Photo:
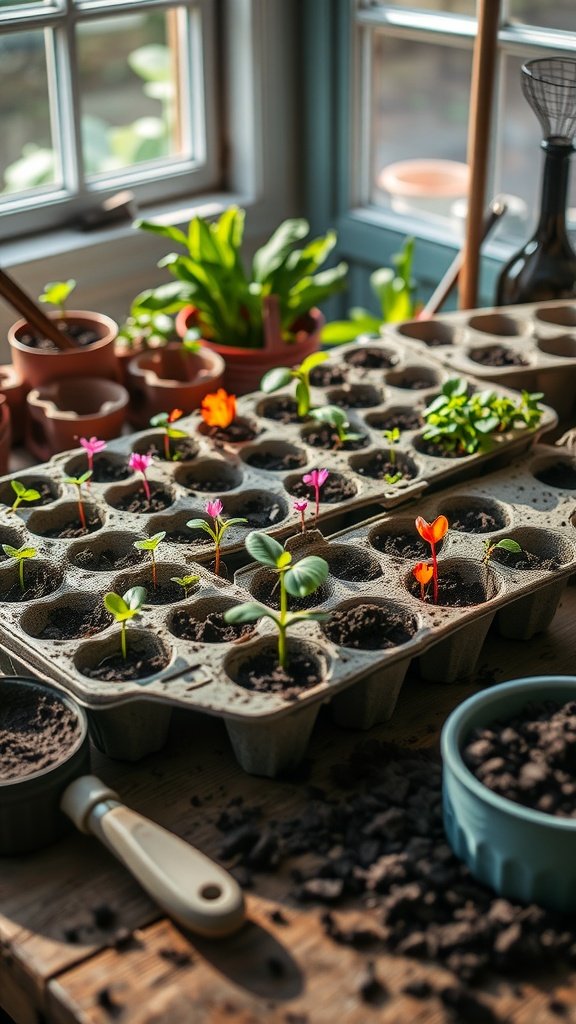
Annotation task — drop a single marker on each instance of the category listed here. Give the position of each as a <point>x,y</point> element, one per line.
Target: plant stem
<point>282,659</point>
<point>317,496</point>
<point>146,488</point>
<point>21,574</point>
<point>123,640</point>
<point>90,467</point>
<point>154,573</point>
<point>302,514</point>
<point>435,572</point>
<point>81,511</point>
<point>16,503</point>
<point>217,558</point>
<point>167,447</point>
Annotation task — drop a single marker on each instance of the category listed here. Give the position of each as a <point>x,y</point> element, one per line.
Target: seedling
<point>423,574</point>
<point>298,579</point>
<point>92,445</point>
<point>78,482</point>
<point>392,478</point>
<point>392,436</point>
<point>338,420</point>
<point>432,533</point>
<point>316,479</point>
<point>280,376</point>
<point>218,409</point>
<point>506,544</point>
<point>185,582</point>
<point>22,494</point>
<point>56,293</point>
<point>166,420</point>
<point>141,464</point>
<point>151,544</point>
<point>217,530</point>
<point>300,505</point>
<point>465,424</point>
<point>20,554</point>
<point>123,609</point>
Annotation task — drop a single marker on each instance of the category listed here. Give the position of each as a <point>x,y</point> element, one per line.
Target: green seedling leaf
<point>264,548</point>
<point>275,379</point>
<point>18,553</point>
<point>150,543</point>
<point>509,545</point>
<point>56,292</point>
<point>248,612</point>
<point>184,581</point>
<point>311,361</point>
<point>201,524</point>
<point>332,415</point>
<point>23,493</point>
<point>306,576</point>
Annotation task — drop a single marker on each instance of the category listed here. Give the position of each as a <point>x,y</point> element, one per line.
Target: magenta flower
<point>300,505</point>
<point>92,445</point>
<point>141,463</point>
<point>214,508</point>
<point>316,479</point>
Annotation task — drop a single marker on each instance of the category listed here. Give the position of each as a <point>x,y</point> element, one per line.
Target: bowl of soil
<point>44,744</point>
<point>509,789</point>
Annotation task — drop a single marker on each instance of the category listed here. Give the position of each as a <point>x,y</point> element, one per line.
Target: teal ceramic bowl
<point>521,853</point>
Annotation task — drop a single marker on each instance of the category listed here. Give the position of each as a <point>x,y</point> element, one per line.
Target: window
<point>100,95</point>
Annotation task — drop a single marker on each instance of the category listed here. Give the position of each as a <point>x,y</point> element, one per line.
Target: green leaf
<point>275,378</point>
<point>306,576</point>
<point>238,521</point>
<point>275,251</point>
<point>303,398</point>
<point>18,488</point>
<point>339,332</point>
<point>165,230</point>
<point>248,612</point>
<point>135,597</point>
<point>311,361</point>
<point>116,605</point>
<point>160,419</point>
<point>150,543</point>
<point>10,551</point>
<point>56,292</point>
<point>184,581</point>
<point>509,545</point>
<point>333,415</point>
<point>264,548</point>
<point>201,524</point>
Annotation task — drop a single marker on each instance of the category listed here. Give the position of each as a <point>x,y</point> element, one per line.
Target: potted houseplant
<point>254,318</point>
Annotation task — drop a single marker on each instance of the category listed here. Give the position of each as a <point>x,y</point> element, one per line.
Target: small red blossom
<point>218,409</point>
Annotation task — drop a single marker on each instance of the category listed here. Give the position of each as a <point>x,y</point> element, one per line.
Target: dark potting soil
<point>524,560</point>
<point>531,758</point>
<point>403,420</point>
<point>282,409</point>
<point>379,466</point>
<point>324,436</point>
<point>402,545</point>
<point>476,520</point>
<point>377,837</point>
<point>36,732</point>
<point>162,593</point>
<point>437,451</point>
<point>559,474</point>
<point>67,623</point>
<point>336,488</point>
<point>182,450</point>
<point>453,591</point>
<point>136,665</point>
<point>357,397</point>
<point>262,674</point>
<point>238,431</point>
<point>497,355</point>
<point>209,484</point>
<point>412,383</point>
<point>188,536</point>
<point>38,582</point>
<point>326,376</point>
<point>267,590</point>
<point>74,529</point>
<point>83,336</point>
<point>369,627</point>
<point>136,501</point>
<point>352,566</point>
<point>47,494</point>
<point>276,461</point>
<point>108,471</point>
<point>211,630</point>
<point>262,510</point>
<point>106,560</point>
<point>370,359</point>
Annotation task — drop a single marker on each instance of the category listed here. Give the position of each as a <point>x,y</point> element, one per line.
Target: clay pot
<point>41,366</point>
<point>245,367</point>
<point>14,390</point>
<point>169,378</point>
<point>5,435</point>
<point>61,412</point>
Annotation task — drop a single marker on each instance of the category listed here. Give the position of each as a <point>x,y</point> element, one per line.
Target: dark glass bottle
<point>544,268</point>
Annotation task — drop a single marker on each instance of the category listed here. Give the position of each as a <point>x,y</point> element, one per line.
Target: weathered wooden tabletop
<point>140,969</point>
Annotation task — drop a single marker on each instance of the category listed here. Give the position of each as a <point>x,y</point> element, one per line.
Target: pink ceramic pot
<point>38,366</point>
<point>61,412</point>
<point>167,378</point>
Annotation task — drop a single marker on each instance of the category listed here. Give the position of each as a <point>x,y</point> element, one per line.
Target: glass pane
<point>443,6</point>
<point>27,157</point>
<point>420,116</point>
<point>128,89</point>
<point>545,13</point>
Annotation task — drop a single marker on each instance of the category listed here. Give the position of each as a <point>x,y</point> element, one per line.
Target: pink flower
<point>316,478</point>
<point>300,505</point>
<point>214,508</point>
<point>139,462</point>
<point>92,445</point>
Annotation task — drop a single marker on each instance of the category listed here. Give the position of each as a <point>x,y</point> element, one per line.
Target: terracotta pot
<point>61,412</point>
<point>14,390</point>
<point>5,435</point>
<point>245,367</point>
<point>167,378</point>
<point>38,367</point>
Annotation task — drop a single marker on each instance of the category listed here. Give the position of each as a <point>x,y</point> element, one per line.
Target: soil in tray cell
<point>276,461</point>
<point>371,359</point>
<point>263,674</point>
<point>356,396</point>
<point>68,623</point>
<point>327,375</point>
<point>262,510</point>
<point>107,559</point>
<point>402,545</point>
<point>324,436</point>
<point>282,409</point>
<point>238,432</point>
<point>453,591</point>
<point>74,529</point>
<point>48,492</point>
<point>380,465</point>
<point>524,560</point>
<point>213,629</point>
<point>475,520</point>
<point>369,627</point>
<point>348,563</point>
<point>136,501</point>
<point>136,665</point>
<point>266,589</point>
<point>558,474</point>
<point>402,419</point>
<point>109,471</point>
<point>36,732</point>
<point>162,593</point>
<point>336,488</point>
<point>530,759</point>
<point>38,582</point>
<point>182,450</point>
<point>497,355</point>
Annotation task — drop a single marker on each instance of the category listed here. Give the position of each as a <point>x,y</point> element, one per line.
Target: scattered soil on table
<point>379,466</point>
<point>238,431</point>
<point>262,511</point>
<point>324,436</point>
<point>476,520</point>
<point>497,355</point>
<point>369,627</point>
<point>262,674</point>
<point>180,451</point>
<point>107,559</point>
<point>83,336</point>
<point>276,461</point>
<point>36,732</point>
<point>136,501</point>
<point>38,582</point>
<point>531,758</point>
<point>108,471</point>
<point>267,591</point>
<point>137,664</point>
<point>402,545</point>
<point>327,376</point>
<point>74,529</point>
<point>336,488</point>
<point>68,623</point>
<point>376,836</point>
<point>282,409</point>
<point>524,560</point>
<point>558,474</point>
<point>403,420</point>
<point>370,359</point>
<point>211,630</point>
<point>453,591</point>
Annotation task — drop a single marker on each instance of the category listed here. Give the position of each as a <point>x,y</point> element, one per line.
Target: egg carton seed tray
<point>530,346</point>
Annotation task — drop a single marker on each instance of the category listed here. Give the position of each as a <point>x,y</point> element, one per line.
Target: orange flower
<point>218,409</point>
<point>432,532</point>
<point>423,573</point>
<point>175,415</point>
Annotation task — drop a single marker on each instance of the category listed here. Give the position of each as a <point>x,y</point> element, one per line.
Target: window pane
<point>128,90</point>
<point>444,6</point>
<point>421,115</point>
<point>27,158</point>
<point>546,13</point>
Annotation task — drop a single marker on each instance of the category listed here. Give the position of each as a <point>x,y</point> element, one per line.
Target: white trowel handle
<point>189,886</point>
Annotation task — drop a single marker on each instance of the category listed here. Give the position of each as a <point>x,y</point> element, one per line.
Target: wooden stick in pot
<point>23,304</point>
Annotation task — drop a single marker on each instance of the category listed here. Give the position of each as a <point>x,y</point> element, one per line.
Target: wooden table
<point>157,975</point>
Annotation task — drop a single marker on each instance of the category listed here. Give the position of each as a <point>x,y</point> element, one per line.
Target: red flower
<point>432,532</point>
<point>218,409</point>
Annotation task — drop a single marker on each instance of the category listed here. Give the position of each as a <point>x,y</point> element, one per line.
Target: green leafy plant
<point>465,423</point>
<point>185,582</point>
<point>22,494</point>
<point>279,376</point>
<point>230,300</point>
<point>123,609</point>
<point>21,555</point>
<point>150,322</point>
<point>299,579</point>
<point>151,544</point>
<point>56,293</point>
<point>506,544</point>
<point>392,436</point>
<point>394,287</point>
<point>336,418</point>
<point>166,420</point>
<point>78,482</point>
<point>214,508</point>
